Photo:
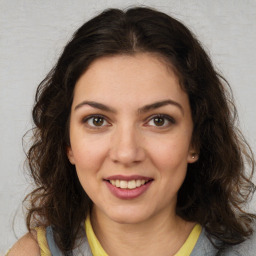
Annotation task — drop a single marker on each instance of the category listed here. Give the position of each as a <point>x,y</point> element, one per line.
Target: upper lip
<point>131,177</point>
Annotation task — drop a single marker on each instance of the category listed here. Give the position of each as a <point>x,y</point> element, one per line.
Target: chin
<point>128,216</point>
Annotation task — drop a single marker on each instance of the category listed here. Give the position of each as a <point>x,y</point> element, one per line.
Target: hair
<point>216,188</point>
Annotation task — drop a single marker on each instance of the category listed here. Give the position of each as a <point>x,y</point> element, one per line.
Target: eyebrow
<point>144,109</point>
<point>161,104</point>
<point>95,105</point>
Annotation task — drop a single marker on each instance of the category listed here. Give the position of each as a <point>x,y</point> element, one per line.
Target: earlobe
<point>70,155</point>
<point>192,157</point>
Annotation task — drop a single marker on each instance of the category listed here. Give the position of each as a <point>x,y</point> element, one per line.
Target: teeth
<point>123,184</point>
<point>113,182</point>
<point>138,183</point>
<point>131,184</point>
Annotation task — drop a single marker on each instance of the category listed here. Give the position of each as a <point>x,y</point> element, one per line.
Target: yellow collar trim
<point>42,241</point>
<point>94,243</point>
<point>190,243</point>
<point>97,249</point>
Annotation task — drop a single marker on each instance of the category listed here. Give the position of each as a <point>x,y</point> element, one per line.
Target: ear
<point>193,156</point>
<point>70,155</point>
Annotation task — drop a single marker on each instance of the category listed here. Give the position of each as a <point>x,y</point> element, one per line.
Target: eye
<point>161,121</point>
<point>96,121</point>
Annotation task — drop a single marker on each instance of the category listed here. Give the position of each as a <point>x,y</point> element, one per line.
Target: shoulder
<point>26,246</point>
<point>205,247</point>
<point>247,248</point>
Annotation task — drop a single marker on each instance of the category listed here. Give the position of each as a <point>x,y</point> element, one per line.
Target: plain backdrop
<point>32,35</point>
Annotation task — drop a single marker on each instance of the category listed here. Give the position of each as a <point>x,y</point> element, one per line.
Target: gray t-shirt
<point>203,247</point>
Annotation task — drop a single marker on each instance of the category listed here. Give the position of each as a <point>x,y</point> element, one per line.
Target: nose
<point>127,146</point>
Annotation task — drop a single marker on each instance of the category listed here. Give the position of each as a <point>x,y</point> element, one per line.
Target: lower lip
<point>127,194</point>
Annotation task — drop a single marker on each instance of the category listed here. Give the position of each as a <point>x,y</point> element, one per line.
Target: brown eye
<point>96,121</point>
<point>159,121</point>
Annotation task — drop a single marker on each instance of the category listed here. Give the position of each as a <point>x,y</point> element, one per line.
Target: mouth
<point>128,184</point>
<point>128,187</point>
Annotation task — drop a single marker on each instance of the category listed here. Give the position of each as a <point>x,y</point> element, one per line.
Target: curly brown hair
<point>216,187</point>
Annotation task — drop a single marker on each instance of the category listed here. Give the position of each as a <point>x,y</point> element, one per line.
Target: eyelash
<point>170,120</point>
<point>91,117</point>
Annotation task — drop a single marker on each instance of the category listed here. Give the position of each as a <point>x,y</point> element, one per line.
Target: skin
<point>130,140</point>
<point>26,246</point>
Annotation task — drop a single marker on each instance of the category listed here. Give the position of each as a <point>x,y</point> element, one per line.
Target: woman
<point>135,148</point>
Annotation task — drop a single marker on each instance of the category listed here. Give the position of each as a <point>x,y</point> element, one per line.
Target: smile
<point>131,184</point>
<point>128,187</point>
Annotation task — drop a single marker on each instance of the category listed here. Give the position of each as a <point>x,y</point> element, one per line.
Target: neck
<point>160,235</point>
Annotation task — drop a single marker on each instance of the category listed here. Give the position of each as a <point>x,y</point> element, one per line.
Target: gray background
<point>32,34</point>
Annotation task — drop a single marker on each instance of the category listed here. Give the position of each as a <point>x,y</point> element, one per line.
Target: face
<point>130,137</point>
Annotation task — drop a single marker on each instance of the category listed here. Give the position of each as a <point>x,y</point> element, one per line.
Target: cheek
<point>171,162</point>
<point>88,155</point>
<point>169,152</point>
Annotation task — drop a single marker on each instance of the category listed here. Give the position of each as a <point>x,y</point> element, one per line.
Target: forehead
<point>140,65</point>
<point>130,78</point>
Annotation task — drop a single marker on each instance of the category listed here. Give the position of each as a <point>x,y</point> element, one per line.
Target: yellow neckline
<point>94,243</point>
<point>187,248</point>
<point>97,249</point>
<point>42,241</point>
